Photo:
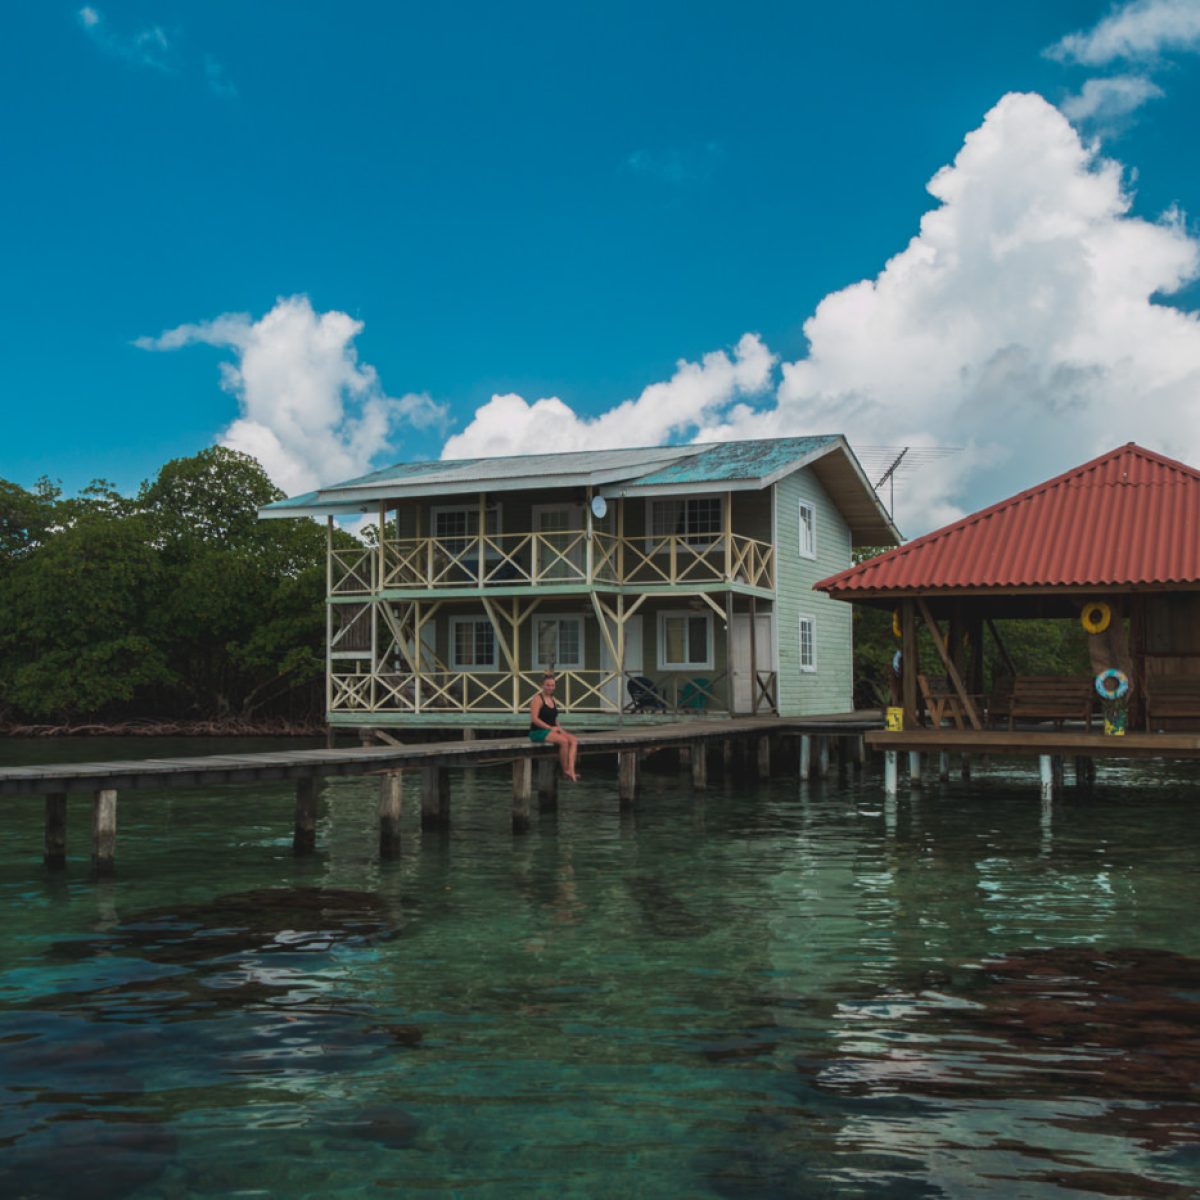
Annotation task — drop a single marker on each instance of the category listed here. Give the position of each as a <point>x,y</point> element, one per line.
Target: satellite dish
<point>599,507</point>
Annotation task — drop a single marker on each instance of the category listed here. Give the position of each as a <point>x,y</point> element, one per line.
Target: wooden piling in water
<point>727,757</point>
<point>806,765</point>
<point>391,808</point>
<point>435,796</point>
<point>764,756</point>
<point>547,784</point>
<point>699,766</point>
<point>54,846</point>
<point>104,831</point>
<point>522,793</point>
<point>627,773</point>
<point>304,836</point>
<point>822,756</point>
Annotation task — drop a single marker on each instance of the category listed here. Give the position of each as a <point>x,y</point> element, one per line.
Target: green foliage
<point>179,602</point>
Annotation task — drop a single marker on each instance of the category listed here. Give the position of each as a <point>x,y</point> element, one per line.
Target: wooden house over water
<point>1114,543</point>
<point>659,582</point>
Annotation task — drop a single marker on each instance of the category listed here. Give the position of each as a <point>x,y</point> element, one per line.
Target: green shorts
<point>538,735</point>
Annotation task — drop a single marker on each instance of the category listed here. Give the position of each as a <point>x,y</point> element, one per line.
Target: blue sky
<point>551,202</point>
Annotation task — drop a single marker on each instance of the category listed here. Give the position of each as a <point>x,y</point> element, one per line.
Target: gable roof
<point>641,471</point>
<point>1129,518</point>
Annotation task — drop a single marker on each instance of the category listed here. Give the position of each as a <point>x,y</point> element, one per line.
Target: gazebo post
<point>910,663</point>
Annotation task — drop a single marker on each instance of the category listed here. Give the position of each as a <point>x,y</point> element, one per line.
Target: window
<point>684,641</point>
<point>472,644</point>
<point>454,526</point>
<point>808,644</point>
<point>558,642</point>
<point>696,518</point>
<point>808,529</point>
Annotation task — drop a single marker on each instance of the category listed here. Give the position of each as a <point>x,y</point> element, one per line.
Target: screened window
<point>808,529</point>
<point>808,644</point>
<point>684,641</point>
<point>454,526</point>
<point>696,518</point>
<point>558,642</point>
<point>472,644</point>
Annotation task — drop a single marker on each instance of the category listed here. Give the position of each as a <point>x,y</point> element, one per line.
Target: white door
<point>739,658</point>
<point>617,689</point>
<point>559,552</point>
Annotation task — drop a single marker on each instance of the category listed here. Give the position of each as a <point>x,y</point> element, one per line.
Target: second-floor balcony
<point>563,557</point>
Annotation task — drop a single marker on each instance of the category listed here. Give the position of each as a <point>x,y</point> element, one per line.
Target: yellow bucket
<point>895,720</point>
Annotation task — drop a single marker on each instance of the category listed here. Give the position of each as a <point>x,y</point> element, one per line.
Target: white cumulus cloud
<point>510,425</point>
<point>1102,103</point>
<point>1141,29</point>
<point>311,413</point>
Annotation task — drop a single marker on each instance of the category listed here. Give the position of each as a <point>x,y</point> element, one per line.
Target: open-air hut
<point>1115,538</point>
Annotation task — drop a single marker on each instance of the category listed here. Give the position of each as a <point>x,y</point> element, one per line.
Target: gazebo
<point>1115,541</point>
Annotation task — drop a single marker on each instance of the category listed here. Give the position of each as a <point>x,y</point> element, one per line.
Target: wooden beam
<point>627,773</point>
<point>54,848</point>
<point>910,660</point>
<point>104,831</point>
<point>699,766</point>
<point>391,808</point>
<point>304,835</point>
<point>522,792</point>
<point>951,670</point>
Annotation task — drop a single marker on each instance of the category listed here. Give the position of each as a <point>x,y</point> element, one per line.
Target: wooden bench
<point>942,701</point>
<point>1170,697</point>
<point>1056,698</point>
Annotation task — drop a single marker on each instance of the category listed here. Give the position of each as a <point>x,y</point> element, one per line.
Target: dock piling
<point>822,757</point>
<point>522,793</point>
<point>1046,770</point>
<point>764,756</point>
<point>54,852</point>
<point>104,831</point>
<point>889,772</point>
<point>435,796</point>
<point>627,773</point>
<point>806,764</point>
<point>699,766</point>
<point>547,784</point>
<point>391,808</point>
<point>304,836</point>
<point>914,768</point>
<point>944,766</point>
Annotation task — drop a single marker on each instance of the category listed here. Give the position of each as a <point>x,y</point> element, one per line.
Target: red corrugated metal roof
<point>1128,518</point>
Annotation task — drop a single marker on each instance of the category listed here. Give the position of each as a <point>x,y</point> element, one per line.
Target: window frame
<point>811,621</point>
<point>810,551</point>
<point>653,540</point>
<point>536,663</point>
<point>436,510</point>
<point>455,623</point>
<point>709,662</point>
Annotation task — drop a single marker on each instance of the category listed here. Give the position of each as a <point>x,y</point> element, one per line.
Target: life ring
<point>1117,693</point>
<point>896,658</point>
<point>1096,616</point>
<point>897,628</point>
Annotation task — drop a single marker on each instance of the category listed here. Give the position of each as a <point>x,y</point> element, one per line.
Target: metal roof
<point>1129,518</point>
<point>647,470</point>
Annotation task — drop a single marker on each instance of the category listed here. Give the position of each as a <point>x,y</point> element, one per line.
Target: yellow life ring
<point>897,629</point>
<point>1096,616</point>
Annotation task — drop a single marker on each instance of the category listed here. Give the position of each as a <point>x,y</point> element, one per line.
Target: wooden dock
<point>433,761</point>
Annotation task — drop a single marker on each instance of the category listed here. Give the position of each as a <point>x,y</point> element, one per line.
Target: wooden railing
<point>559,557</point>
<point>579,692</point>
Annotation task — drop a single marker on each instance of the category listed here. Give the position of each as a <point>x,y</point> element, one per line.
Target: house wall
<point>830,687</point>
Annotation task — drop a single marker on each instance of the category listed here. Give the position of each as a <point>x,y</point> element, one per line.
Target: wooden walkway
<point>1026,742</point>
<point>433,761</point>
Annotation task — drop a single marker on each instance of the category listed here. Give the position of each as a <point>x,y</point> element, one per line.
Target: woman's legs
<point>566,759</point>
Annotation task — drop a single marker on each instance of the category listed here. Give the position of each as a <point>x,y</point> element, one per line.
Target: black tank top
<point>548,713</point>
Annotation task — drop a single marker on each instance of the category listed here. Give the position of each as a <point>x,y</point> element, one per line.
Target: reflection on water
<point>788,991</point>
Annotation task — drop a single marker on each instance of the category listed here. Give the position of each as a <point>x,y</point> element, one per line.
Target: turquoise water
<point>775,990</point>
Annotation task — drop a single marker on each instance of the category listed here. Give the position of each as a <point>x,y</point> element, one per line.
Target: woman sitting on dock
<point>544,727</point>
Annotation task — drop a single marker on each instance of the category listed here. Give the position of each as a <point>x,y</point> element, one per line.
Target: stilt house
<point>659,583</point>
<point>1114,544</point>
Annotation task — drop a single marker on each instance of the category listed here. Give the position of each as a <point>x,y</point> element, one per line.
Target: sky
<point>339,236</point>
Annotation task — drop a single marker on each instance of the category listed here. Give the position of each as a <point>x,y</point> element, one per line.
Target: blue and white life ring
<point>896,659</point>
<point>1117,693</point>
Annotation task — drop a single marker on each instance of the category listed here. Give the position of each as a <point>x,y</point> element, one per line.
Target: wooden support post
<point>914,767</point>
<point>1058,766</point>
<point>685,757</point>
<point>910,663</point>
<point>727,756</point>
<point>964,772</point>
<point>858,750</point>
<point>522,783</point>
<point>806,764</point>
<point>1046,769</point>
<point>547,784</point>
<point>944,766</point>
<point>304,836</point>
<point>822,756</point>
<point>104,831</point>
<point>889,772</point>
<point>435,796</point>
<point>54,848</point>
<point>764,756</point>
<point>391,808</point>
<point>699,766</point>
<point>627,773</point>
<point>468,735</point>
